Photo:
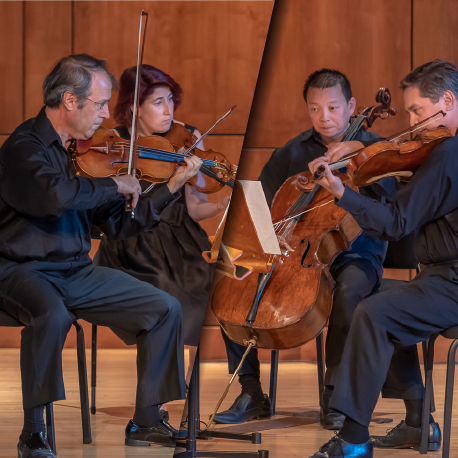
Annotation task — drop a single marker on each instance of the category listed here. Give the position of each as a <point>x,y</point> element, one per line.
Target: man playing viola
<point>357,272</point>
<point>386,327</point>
<point>46,214</point>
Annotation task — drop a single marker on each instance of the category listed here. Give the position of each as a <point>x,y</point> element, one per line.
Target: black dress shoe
<point>34,446</point>
<point>245,409</point>
<point>404,436</point>
<point>338,448</point>
<point>330,419</point>
<point>162,434</point>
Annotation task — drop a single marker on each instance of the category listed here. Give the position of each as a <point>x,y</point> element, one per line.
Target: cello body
<point>296,300</point>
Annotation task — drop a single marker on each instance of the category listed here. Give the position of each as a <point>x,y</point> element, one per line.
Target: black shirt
<point>429,202</point>
<point>47,211</point>
<point>294,158</point>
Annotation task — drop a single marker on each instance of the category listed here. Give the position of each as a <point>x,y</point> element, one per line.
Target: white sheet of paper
<point>260,214</point>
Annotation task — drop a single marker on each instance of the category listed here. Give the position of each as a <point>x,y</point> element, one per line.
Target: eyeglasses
<point>99,105</point>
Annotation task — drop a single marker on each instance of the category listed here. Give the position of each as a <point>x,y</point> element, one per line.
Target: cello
<point>289,304</point>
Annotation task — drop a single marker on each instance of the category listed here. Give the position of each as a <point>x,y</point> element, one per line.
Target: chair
<point>8,321</point>
<point>451,333</point>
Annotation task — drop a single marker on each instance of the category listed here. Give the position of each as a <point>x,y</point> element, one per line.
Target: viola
<point>289,305</point>
<point>106,154</point>
<point>391,157</point>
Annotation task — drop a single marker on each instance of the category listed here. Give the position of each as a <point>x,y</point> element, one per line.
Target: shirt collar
<point>45,130</point>
<point>311,133</point>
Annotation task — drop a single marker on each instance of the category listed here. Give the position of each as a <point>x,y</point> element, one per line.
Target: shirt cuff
<point>162,197</point>
<point>110,188</point>
<point>352,201</point>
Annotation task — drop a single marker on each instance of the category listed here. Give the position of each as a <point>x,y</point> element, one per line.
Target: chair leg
<point>320,364</point>
<point>448,403</point>
<point>425,352</point>
<point>273,379</point>
<point>82,374</point>
<point>427,398</point>
<point>50,426</point>
<point>93,368</point>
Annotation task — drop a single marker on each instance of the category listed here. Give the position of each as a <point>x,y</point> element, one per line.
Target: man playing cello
<point>330,105</point>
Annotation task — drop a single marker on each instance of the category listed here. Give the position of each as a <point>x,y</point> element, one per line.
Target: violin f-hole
<point>304,256</point>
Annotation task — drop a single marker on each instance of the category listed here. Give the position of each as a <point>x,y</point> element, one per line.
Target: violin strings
<point>163,153</point>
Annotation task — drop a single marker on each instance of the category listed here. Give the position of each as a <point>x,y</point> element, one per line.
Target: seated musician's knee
<point>371,310</point>
<point>57,320</point>
<point>166,309</point>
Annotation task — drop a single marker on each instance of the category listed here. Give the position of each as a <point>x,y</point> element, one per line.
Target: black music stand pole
<point>195,433</point>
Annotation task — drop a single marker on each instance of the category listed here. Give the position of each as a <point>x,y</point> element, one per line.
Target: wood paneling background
<point>213,49</point>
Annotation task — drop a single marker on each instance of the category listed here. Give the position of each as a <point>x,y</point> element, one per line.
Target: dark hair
<point>151,77</point>
<point>433,79</point>
<point>326,78</point>
<point>73,74</point>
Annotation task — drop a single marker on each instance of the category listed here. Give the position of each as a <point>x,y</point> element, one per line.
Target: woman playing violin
<point>169,258</point>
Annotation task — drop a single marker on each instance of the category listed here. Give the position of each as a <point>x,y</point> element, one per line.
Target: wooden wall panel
<point>213,49</point>
<point>368,41</point>
<point>11,66</point>
<point>44,46</point>
<point>434,31</point>
<point>252,161</point>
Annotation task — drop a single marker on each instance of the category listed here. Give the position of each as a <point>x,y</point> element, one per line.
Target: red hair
<point>151,77</point>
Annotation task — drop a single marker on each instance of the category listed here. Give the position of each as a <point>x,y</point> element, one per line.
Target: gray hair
<point>433,79</point>
<point>73,74</point>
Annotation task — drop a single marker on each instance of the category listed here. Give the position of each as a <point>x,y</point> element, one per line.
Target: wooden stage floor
<point>293,432</point>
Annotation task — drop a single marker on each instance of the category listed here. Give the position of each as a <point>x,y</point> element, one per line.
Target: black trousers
<point>41,294</point>
<point>380,354</point>
<point>354,281</point>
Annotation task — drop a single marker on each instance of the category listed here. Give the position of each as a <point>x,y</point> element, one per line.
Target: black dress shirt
<point>294,158</point>
<point>428,202</point>
<point>47,211</point>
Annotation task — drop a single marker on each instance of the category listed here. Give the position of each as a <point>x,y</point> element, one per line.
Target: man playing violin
<point>46,275</point>
<point>386,327</point>
<point>330,105</point>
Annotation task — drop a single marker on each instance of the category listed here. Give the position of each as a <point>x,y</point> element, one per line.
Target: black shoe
<point>245,409</point>
<point>330,419</point>
<point>338,448</point>
<point>404,436</point>
<point>162,434</point>
<point>34,446</point>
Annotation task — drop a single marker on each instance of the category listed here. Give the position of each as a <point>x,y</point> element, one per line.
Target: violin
<point>290,304</point>
<point>391,157</point>
<point>106,154</point>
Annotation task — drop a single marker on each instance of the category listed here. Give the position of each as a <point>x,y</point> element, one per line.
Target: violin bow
<point>208,131</point>
<point>134,137</point>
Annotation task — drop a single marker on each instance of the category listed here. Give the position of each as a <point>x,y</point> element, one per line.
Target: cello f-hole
<point>305,253</point>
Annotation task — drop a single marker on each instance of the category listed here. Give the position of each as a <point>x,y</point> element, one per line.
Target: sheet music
<point>260,213</point>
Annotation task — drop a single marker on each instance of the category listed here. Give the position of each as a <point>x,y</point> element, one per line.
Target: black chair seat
<point>451,333</point>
